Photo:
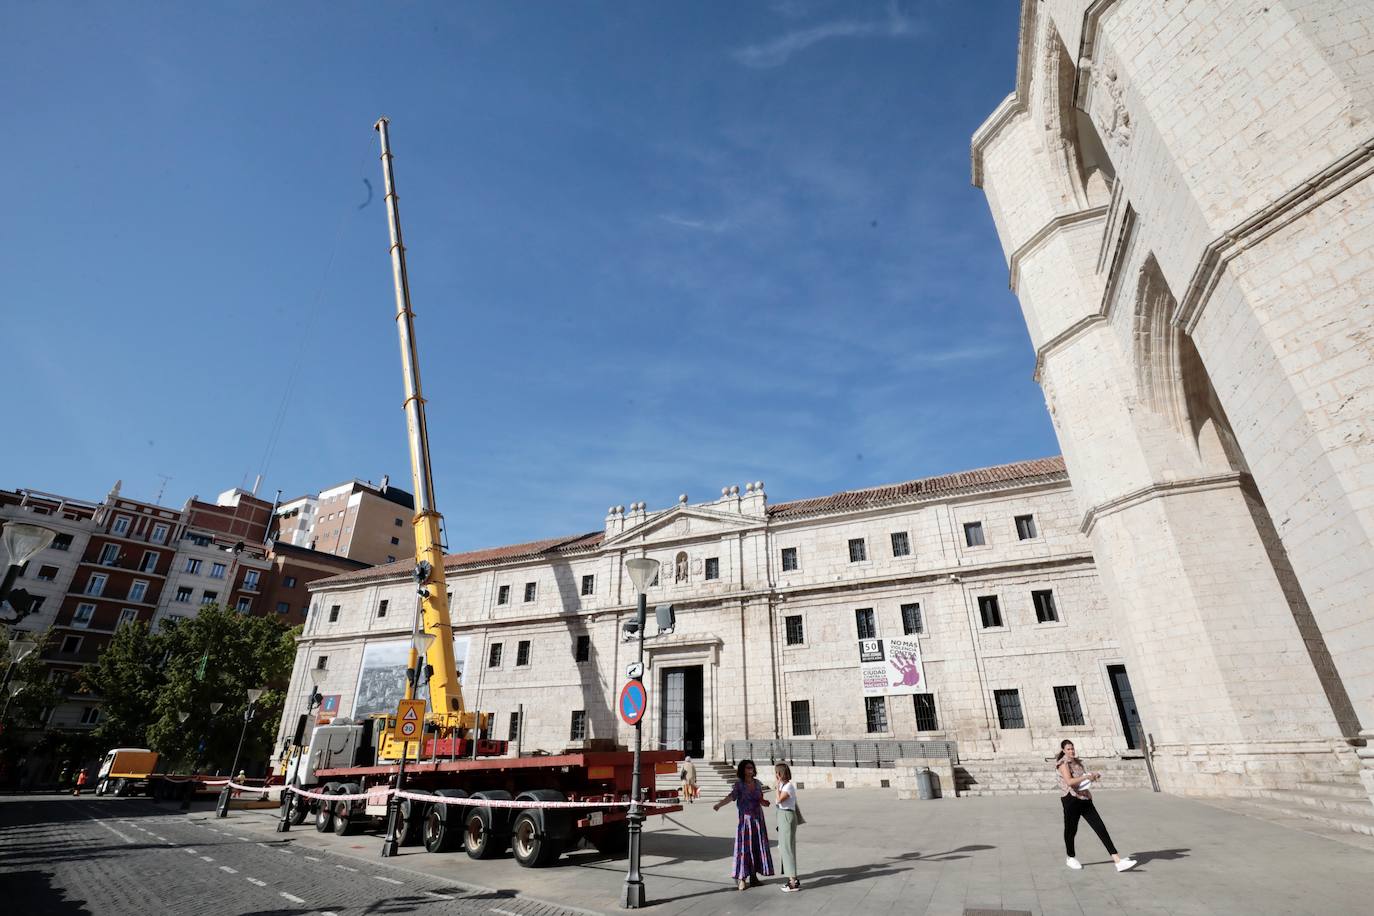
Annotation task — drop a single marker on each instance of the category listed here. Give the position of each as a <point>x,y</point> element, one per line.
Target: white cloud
<point>776,52</point>
<point>700,225</point>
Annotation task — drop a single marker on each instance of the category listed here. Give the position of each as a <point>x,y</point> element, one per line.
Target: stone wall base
<point>1246,769</point>
<point>901,778</point>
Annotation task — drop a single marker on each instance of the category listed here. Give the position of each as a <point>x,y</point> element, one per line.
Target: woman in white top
<point>788,818</point>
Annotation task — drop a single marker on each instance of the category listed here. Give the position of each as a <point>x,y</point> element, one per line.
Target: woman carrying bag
<point>789,819</point>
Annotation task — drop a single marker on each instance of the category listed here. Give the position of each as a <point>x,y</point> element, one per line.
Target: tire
<point>324,816</point>
<point>102,787</point>
<point>411,816</point>
<point>612,840</point>
<point>531,847</point>
<point>121,788</point>
<point>442,829</point>
<point>479,842</point>
<point>344,822</point>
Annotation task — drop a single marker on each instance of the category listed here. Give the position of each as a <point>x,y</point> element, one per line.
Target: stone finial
<point>682,499</point>
<point>724,492</point>
<point>758,486</point>
<point>749,487</point>
<point>734,491</point>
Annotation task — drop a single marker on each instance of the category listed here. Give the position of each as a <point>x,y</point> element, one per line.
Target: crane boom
<point>446,694</point>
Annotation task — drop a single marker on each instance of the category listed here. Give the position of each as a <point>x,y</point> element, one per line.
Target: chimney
<point>386,479</point>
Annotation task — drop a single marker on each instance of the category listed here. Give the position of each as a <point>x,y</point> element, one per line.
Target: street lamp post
<point>253,694</point>
<point>22,542</point>
<point>422,642</point>
<point>316,698</point>
<point>641,570</point>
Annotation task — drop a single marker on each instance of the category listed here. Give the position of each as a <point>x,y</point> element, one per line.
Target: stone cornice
<point>1046,232</point>
<point>1147,493</point>
<point>1344,173</point>
<point>1014,104</point>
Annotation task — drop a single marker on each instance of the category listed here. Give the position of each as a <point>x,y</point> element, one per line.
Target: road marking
<point>226,868</point>
<point>437,895</point>
<point>160,837</point>
<point>123,836</point>
<point>256,881</point>
<point>188,850</point>
<point>292,897</point>
<point>265,845</point>
<point>503,912</point>
<point>388,880</point>
<point>245,839</point>
<point>346,867</point>
<point>286,852</point>
<point>313,859</point>
<point>327,913</point>
<point>206,859</point>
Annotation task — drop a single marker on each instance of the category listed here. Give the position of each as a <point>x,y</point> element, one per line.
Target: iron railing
<point>883,754</point>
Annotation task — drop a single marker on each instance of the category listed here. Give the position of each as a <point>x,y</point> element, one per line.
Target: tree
<point>149,679</point>
<point>24,708</point>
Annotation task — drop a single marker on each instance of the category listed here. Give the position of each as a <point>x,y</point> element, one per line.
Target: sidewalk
<point>862,850</point>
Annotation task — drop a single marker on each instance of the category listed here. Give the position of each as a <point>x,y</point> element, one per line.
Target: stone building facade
<point>1181,193</point>
<point>985,571</point>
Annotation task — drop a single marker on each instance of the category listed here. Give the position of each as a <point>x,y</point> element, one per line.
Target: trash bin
<point>925,784</point>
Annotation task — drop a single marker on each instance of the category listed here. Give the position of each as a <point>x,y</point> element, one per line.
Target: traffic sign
<point>410,720</point>
<point>635,671</point>
<point>634,699</point>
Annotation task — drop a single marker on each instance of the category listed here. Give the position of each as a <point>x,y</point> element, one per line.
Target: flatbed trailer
<point>490,804</point>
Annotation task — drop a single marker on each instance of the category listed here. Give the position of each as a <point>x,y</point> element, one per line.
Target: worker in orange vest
<point>80,781</point>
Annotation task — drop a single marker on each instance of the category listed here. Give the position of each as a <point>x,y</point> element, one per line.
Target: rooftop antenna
<point>157,500</point>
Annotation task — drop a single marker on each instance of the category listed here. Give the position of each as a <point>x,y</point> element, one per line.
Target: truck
<point>133,771</point>
<point>464,788</point>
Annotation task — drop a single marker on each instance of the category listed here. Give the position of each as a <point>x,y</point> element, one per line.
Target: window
<point>121,524</point>
<point>1066,701</point>
<point>973,534</point>
<point>990,611</point>
<point>713,567</point>
<point>71,645</point>
<point>926,720</point>
<point>109,554</point>
<point>901,544</point>
<point>503,595</point>
<point>875,712</point>
<point>90,715</point>
<point>530,589</point>
<point>494,656</point>
<point>244,605</point>
<point>398,523</point>
<point>588,585</point>
<point>801,717</point>
<point>62,542</point>
<point>289,582</point>
<point>139,590</point>
<point>82,617</point>
<point>1009,709</point>
<point>1025,527</point>
<point>578,732</point>
<point>584,649</point>
<point>170,620</point>
<point>796,630</point>
<point>250,579</point>
<point>395,541</point>
<point>381,608</point>
<point>858,550</point>
<point>789,559</point>
<point>36,603</point>
<point>514,733</point>
<point>150,558</point>
<point>522,653</point>
<point>47,573</point>
<point>95,585</point>
<point>283,607</point>
<point>911,619</point>
<point>217,571</point>
<point>867,626</point>
<point>1045,611</point>
<point>321,662</point>
<point>334,613</point>
<point>159,534</point>
<point>184,593</point>
<point>192,565</point>
<point>208,597</point>
<point>199,540</point>
<point>128,615</point>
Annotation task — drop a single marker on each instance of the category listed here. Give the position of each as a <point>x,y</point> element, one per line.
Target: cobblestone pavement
<point>131,857</point>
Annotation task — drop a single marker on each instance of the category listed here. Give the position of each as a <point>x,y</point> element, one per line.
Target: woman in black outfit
<point>1078,803</point>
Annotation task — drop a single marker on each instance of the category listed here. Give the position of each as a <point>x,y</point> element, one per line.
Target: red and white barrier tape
<point>379,794</point>
<point>233,785</point>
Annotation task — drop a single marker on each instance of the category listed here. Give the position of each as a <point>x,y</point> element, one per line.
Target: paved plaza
<point>861,851</point>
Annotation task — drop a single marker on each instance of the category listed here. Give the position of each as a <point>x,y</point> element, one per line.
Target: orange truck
<point>133,771</point>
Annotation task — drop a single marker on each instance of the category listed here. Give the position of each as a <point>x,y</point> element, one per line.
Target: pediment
<point>682,524</point>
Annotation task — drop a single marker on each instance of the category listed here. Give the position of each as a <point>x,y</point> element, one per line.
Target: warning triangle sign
<point>410,714</point>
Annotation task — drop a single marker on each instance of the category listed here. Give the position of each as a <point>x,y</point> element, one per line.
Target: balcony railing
<point>882,754</point>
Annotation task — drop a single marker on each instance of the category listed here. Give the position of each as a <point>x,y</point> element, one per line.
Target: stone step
<point>1340,804</point>
<point>1342,828</point>
<point>1353,790</point>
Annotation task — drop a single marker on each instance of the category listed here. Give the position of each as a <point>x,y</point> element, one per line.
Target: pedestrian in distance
<point>1077,800</point>
<point>752,855</point>
<point>80,783</point>
<point>689,781</point>
<point>789,819</point>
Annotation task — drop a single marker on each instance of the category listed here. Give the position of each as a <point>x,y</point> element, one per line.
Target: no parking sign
<point>634,699</point>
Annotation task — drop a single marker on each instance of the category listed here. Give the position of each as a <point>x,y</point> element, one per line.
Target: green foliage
<point>149,679</point>
<point>24,708</point>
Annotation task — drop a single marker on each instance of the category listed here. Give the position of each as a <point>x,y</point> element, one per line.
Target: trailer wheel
<point>324,816</point>
<point>121,788</point>
<point>344,821</point>
<point>443,824</point>
<point>411,815</point>
<point>531,847</point>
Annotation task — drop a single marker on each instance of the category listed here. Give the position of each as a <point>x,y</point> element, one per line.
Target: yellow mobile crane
<point>449,760</point>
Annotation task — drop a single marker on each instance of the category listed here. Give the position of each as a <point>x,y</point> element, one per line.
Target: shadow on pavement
<point>1162,855</point>
<point>34,892</point>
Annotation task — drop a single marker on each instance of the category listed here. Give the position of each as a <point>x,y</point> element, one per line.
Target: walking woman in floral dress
<point>752,855</point>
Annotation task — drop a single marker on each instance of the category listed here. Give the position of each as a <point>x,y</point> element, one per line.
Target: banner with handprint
<point>905,675</point>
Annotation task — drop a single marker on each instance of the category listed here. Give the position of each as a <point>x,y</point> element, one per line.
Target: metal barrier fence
<point>884,754</point>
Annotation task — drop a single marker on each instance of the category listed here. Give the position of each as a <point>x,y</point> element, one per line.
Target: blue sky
<point>654,248</point>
